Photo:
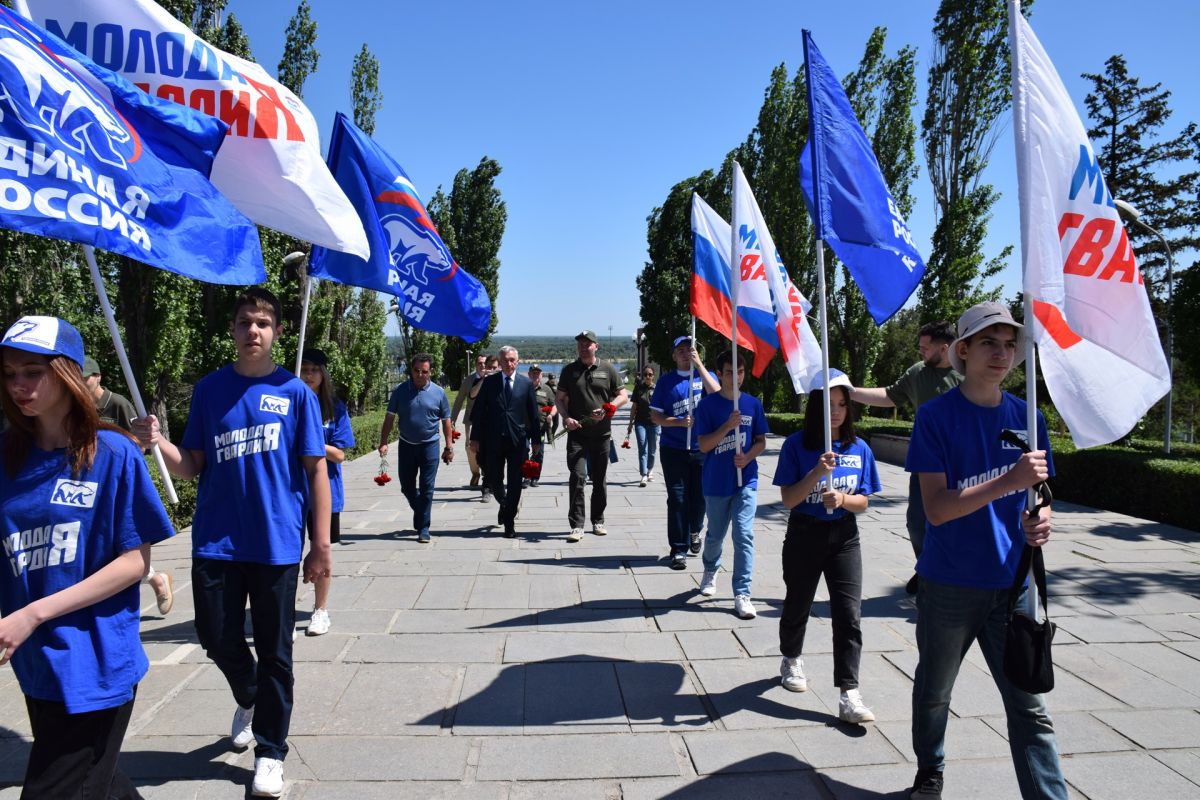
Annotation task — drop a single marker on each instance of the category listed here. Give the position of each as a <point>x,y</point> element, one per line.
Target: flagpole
<point>691,380</point>
<point>1019,131</point>
<point>300,259</point>
<point>89,253</point>
<point>735,282</point>
<point>818,217</point>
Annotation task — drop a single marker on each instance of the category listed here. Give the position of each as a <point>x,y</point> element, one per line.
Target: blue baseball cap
<point>681,340</point>
<point>47,336</point>
<point>836,378</point>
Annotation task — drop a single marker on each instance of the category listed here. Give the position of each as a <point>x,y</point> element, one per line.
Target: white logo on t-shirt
<point>846,460</point>
<point>276,405</point>
<point>78,494</point>
<point>43,546</point>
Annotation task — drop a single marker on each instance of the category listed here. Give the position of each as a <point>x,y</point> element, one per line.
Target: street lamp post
<point>1131,212</point>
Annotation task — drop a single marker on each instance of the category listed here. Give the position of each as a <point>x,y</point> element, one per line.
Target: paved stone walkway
<point>481,667</point>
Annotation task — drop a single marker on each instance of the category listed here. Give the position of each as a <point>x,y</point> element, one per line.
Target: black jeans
<point>682,471</point>
<point>914,518</point>
<point>814,548</point>
<point>75,755</point>
<point>502,470</point>
<point>220,590</point>
<point>582,448</point>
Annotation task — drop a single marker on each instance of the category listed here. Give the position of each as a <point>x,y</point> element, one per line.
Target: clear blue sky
<point>594,110</point>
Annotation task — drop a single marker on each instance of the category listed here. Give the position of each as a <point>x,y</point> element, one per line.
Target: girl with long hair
<point>338,438</point>
<point>79,513</point>
<point>822,539</point>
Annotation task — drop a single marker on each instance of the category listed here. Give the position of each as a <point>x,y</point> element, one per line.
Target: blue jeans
<point>739,509</point>
<point>417,466</point>
<point>949,619</point>
<point>647,441</point>
<point>685,496</point>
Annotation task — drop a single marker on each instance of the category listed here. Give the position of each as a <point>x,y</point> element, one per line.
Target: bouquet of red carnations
<point>609,410</point>
<point>382,476</point>
<point>531,470</point>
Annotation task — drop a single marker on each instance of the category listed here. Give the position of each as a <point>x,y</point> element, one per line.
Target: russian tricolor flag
<point>711,301</point>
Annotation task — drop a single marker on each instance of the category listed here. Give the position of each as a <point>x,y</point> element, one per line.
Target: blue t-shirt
<point>719,478</point>
<point>419,412</point>
<point>961,440</point>
<point>855,473</point>
<point>57,530</point>
<point>339,434</point>
<point>670,399</point>
<point>253,492</point>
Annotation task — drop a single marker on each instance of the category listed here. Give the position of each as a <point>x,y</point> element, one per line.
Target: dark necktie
<point>507,390</point>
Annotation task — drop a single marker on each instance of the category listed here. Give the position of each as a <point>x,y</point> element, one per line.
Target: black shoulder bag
<point>1027,661</point>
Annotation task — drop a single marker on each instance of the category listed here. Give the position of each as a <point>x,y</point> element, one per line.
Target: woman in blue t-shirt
<point>78,513</point>
<point>822,539</point>
<point>338,438</point>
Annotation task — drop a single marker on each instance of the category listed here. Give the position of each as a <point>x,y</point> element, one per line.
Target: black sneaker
<point>694,545</point>
<point>911,586</point>
<point>926,786</point>
<point>679,561</point>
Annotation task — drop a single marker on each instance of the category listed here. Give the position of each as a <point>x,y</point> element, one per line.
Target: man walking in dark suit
<point>504,424</point>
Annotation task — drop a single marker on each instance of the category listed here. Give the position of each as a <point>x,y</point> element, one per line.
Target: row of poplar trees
<point>967,105</point>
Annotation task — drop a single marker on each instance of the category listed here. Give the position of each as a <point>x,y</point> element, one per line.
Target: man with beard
<point>931,376</point>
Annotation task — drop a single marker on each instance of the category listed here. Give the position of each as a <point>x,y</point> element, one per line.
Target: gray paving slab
<point>478,667</point>
<point>534,758</point>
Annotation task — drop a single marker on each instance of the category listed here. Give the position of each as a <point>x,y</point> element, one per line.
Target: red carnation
<point>531,470</point>
<point>625,445</point>
<point>547,409</point>
<point>382,476</point>
<point>455,436</point>
<point>609,409</point>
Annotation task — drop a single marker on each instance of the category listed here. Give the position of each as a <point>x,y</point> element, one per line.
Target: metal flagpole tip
<point>294,257</point>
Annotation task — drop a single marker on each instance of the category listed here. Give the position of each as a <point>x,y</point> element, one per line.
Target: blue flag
<point>408,258</point>
<point>87,157</point>
<point>850,203</point>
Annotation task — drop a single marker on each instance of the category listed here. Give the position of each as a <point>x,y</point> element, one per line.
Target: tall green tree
<point>364,88</point>
<point>478,215</point>
<point>1144,165</point>
<point>300,55</point>
<point>969,91</point>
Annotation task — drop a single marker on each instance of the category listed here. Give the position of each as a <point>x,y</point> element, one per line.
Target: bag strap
<point>1030,557</point>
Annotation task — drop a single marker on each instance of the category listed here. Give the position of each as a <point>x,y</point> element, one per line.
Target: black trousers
<point>586,450</point>
<point>683,471</point>
<point>75,755</point>
<point>814,548</point>
<point>220,590</point>
<point>502,463</point>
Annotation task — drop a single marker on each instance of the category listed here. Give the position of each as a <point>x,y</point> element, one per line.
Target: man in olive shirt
<point>585,388</point>
<point>464,398</point>
<point>920,383</point>
<point>113,408</point>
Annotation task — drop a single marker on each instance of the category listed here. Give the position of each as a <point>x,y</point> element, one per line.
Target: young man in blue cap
<point>672,407</point>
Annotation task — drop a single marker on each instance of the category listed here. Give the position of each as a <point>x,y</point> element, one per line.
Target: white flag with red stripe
<point>757,259</point>
<point>1101,355</point>
<point>271,167</point>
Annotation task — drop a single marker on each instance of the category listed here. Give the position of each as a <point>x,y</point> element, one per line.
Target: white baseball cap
<point>978,317</point>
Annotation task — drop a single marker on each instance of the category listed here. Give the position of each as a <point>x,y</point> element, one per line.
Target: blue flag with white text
<point>408,257</point>
<point>87,157</point>
<point>850,203</point>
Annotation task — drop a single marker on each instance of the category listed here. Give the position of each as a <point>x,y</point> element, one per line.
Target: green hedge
<point>1138,480</point>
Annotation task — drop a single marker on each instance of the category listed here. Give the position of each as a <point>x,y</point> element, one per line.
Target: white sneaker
<point>852,709</point>
<point>743,607</point>
<point>575,535</point>
<point>319,623</point>
<point>242,731</point>
<point>644,481</point>
<point>708,584</point>
<point>268,777</point>
<point>599,529</point>
<point>650,476</point>
<point>791,670</point>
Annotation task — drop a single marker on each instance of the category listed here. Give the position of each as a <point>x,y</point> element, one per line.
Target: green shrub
<point>366,433</point>
<point>181,512</point>
<point>786,424</point>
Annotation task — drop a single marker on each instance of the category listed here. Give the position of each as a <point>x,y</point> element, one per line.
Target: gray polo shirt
<point>418,412</point>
